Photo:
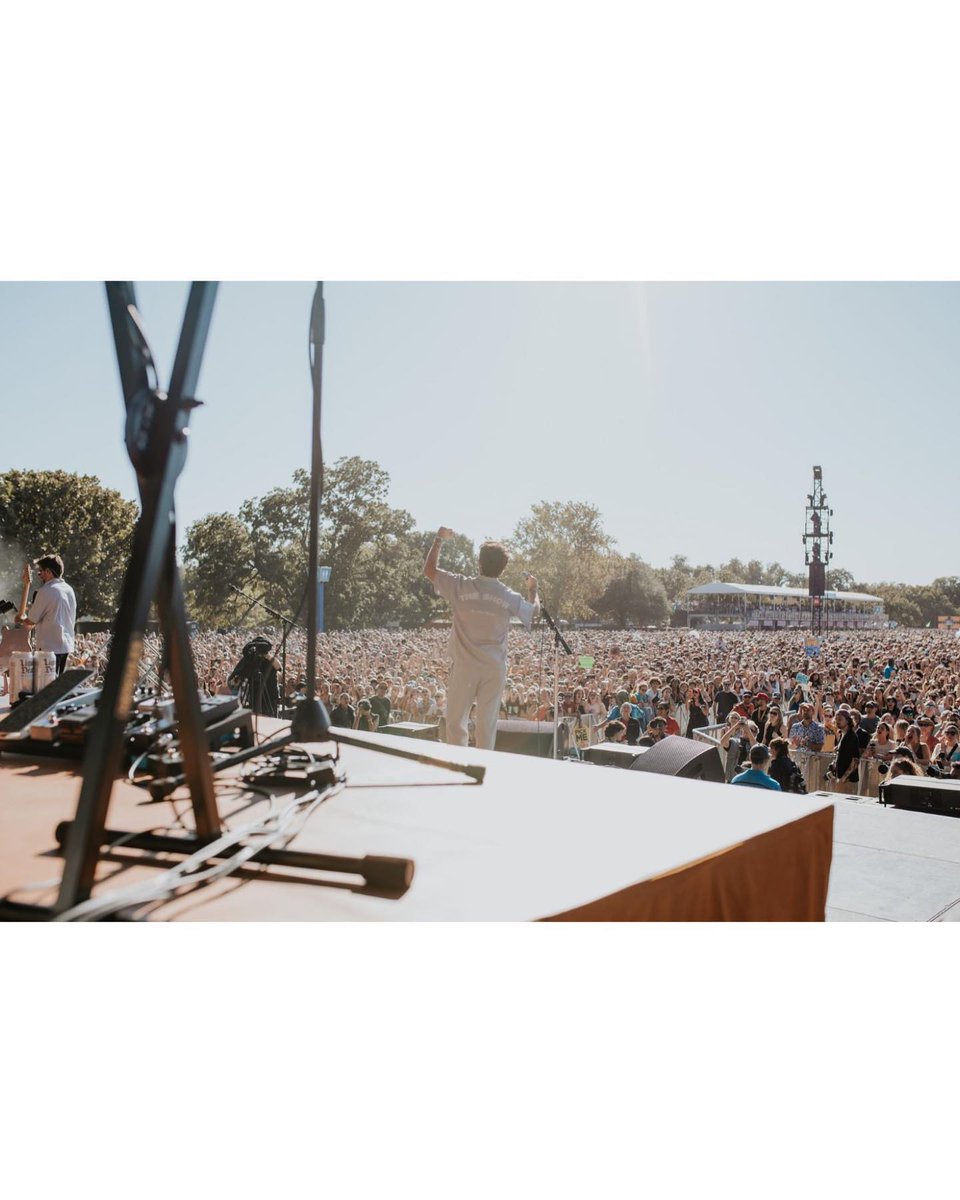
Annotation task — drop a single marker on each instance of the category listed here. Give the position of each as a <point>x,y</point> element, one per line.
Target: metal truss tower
<point>817,547</point>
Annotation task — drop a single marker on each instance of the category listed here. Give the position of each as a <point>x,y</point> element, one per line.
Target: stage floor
<point>888,864</point>
<point>537,840</point>
<point>892,865</point>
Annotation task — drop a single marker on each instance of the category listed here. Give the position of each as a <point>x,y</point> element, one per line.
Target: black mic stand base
<point>311,722</point>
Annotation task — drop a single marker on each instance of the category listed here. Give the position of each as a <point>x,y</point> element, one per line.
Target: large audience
<point>892,695</point>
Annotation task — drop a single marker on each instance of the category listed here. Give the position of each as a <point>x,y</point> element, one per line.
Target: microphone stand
<point>311,721</point>
<point>558,641</point>
<point>287,624</point>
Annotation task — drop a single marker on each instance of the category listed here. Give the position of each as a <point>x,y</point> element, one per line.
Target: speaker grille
<point>683,758</point>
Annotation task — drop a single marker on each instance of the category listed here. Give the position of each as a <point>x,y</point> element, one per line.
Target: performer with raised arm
<point>482,607</point>
<point>53,612</point>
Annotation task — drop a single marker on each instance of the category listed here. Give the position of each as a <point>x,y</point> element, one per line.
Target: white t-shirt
<point>54,612</point>
<point>482,608</point>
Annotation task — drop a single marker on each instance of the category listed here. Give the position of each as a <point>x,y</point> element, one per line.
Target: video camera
<point>258,648</point>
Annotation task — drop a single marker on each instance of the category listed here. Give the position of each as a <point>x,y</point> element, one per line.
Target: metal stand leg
<point>156,435</point>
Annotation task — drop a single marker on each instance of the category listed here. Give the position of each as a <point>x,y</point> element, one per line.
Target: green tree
<point>218,552</point>
<point>841,580</point>
<point>565,545</point>
<point>681,576</point>
<point>899,605</point>
<point>88,525</point>
<point>733,571</point>
<point>795,579</point>
<point>459,556</point>
<point>775,575</point>
<point>931,602</point>
<point>636,595</point>
<point>373,550</point>
<point>949,587</point>
<point>911,605</point>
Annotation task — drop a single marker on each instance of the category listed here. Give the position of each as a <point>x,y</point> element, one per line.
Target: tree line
<point>375,553</point>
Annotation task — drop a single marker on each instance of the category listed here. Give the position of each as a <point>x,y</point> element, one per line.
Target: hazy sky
<point>690,414</point>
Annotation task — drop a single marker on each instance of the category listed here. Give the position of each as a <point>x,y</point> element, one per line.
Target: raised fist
<point>444,534</point>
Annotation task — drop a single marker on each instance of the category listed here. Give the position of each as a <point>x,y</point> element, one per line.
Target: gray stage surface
<point>892,865</point>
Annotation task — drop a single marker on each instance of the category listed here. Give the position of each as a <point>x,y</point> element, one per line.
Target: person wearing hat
<point>760,713</point>
<point>871,719</point>
<point>806,733</point>
<point>756,774</point>
<point>656,732</point>
<point>745,707</point>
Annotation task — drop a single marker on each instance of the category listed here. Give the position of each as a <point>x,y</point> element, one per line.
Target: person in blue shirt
<point>636,712</point>
<point>757,775</point>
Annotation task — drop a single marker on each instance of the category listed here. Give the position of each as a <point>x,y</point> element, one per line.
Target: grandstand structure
<point>719,605</point>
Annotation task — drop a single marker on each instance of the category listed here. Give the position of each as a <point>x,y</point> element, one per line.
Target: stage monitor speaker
<point>683,758</point>
<point>613,754</point>
<point>412,729</point>
<point>923,793</point>
<point>525,737</point>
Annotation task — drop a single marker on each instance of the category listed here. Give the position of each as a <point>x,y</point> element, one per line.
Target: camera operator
<point>255,677</point>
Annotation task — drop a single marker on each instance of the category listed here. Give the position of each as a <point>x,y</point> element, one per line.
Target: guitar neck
<point>23,601</point>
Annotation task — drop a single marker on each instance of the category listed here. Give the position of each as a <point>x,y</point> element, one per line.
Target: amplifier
<point>412,729</point>
<point>923,793</point>
<point>613,754</point>
<point>525,737</point>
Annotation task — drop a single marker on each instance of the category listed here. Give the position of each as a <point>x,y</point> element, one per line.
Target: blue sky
<point>690,414</point>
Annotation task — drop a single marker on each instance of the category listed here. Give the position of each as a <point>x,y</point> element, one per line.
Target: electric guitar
<point>22,611</point>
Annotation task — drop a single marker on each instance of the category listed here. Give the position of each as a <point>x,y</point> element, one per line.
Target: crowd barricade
<point>580,732</point>
<point>813,764</point>
<point>870,777</point>
<point>710,734</point>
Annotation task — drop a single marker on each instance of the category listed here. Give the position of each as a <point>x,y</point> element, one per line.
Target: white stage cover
<point>536,840</point>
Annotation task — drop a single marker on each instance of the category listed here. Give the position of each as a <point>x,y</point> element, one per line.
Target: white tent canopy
<point>716,588</point>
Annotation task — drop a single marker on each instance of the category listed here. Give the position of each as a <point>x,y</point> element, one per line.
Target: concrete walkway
<point>892,865</point>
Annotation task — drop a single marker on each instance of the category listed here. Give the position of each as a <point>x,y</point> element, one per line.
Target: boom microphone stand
<point>311,722</point>
<point>558,641</point>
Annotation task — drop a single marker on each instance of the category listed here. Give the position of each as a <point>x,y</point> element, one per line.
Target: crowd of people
<point>892,695</point>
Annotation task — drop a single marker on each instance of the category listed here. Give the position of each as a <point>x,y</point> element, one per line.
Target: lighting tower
<point>817,543</point>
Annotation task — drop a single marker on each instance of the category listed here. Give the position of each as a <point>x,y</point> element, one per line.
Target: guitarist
<point>12,639</point>
<point>53,612</point>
